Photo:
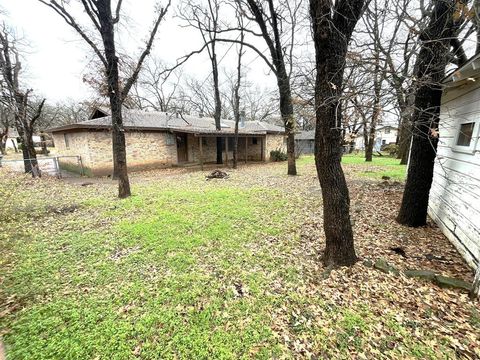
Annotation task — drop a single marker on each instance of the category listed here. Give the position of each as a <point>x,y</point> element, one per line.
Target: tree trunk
<point>218,102</point>
<point>475,292</point>
<point>404,141</point>
<point>368,139</point>
<point>332,29</point>
<point>286,110</point>
<point>118,131</point>
<point>28,149</point>
<point>3,146</point>
<point>429,71</point>
<point>236,100</point>
<point>44,144</point>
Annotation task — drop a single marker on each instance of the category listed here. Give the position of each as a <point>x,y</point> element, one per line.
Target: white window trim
<point>473,144</point>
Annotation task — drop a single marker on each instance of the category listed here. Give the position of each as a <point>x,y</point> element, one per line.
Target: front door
<point>182,153</point>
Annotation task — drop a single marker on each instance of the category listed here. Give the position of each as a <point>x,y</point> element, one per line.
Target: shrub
<point>278,155</point>
<point>392,149</point>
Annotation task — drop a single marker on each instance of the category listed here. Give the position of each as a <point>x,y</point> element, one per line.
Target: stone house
<point>159,139</point>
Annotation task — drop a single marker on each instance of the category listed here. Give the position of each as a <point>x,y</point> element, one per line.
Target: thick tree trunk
<point>331,36</point>
<point>28,150</point>
<point>429,71</point>
<point>118,132</point>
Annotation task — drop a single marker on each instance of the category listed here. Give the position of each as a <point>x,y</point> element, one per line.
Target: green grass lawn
<point>379,167</point>
<point>184,269</point>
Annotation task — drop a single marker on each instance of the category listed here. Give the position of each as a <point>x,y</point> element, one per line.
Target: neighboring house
<point>159,139</point>
<point>455,193</point>
<point>304,142</point>
<point>384,135</point>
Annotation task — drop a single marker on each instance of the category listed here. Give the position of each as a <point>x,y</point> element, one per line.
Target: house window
<point>170,139</point>
<point>67,141</point>
<point>254,141</point>
<point>384,142</point>
<point>204,141</point>
<point>387,130</point>
<point>465,134</point>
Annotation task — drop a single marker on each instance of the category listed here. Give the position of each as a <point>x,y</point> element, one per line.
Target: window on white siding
<point>465,134</point>
<point>466,138</point>
<point>387,130</point>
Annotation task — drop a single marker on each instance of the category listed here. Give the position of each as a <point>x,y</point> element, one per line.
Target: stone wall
<point>275,142</point>
<point>145,150</point>
<point>73,144</point>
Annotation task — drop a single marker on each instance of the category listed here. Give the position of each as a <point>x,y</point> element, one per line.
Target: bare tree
<point>277,23</point>
<point>156,88</point>
<point>19,100</point>
<point>333,25</point>
<point>259,103</point>
<point>430,67</point>
<point>102,17</point>
<point>206,19</point>
<point>236,88</point>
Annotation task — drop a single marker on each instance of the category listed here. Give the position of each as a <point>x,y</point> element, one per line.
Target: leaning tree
<point>17,99</point>
<point>104,20</point>
<point>430,67</point>
<point>333,24</point>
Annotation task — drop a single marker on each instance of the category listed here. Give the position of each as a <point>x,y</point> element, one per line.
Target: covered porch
<point>198,148</point>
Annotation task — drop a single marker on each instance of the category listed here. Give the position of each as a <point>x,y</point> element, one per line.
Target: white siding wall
<point>455,194</point>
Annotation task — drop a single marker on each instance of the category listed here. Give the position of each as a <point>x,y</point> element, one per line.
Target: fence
<point>47,165</point>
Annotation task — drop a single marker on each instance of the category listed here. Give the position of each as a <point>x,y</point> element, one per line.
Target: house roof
<point>155,121</point>
<point>305,135</point>
<point>466,72</point>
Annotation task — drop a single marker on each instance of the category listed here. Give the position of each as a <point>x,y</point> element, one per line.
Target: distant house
<point>384,135</point>
<point>455,193</point>
<point>159,139</point>
<point>304,142</point>
<point>11,142</point>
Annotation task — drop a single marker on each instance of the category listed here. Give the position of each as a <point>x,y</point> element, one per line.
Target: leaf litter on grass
<point>225,269</point>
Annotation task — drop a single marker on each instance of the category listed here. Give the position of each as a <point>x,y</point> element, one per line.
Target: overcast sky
<point>57,56</point>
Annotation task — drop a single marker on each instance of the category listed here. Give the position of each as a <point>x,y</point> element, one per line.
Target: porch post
<point>226,151</point>
<point>200,139</point>
<point>246,148</point>
<point>262,148</point>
